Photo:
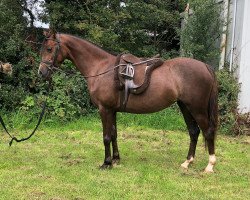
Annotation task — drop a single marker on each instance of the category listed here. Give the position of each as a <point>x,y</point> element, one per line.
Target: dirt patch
<point>37,194</point>
<point>246,141</point>
<point>71,160</point>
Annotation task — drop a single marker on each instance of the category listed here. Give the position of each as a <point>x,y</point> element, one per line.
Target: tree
<point>203,29</point>
<point>140,27</point>
<point>12,27</point>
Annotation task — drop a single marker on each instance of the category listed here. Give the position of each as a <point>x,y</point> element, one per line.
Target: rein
<point>105,72</point>
<point>116,66</point>
<point>51,64</point>
<point>13,138</point>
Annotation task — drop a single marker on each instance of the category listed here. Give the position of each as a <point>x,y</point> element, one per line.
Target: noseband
<point>51,64</point>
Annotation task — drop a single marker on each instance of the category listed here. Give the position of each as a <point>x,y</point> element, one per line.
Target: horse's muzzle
<point>44,71</point>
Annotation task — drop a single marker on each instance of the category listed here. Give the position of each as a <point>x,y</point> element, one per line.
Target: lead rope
<point>13,138</point>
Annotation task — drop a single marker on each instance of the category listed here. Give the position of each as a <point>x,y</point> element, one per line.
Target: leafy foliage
<point>229,89</point>
<point>12,49</point>
<point>11,31</point>
<point>140,27</point>
<point>203,29</point>
<point>67,99</point>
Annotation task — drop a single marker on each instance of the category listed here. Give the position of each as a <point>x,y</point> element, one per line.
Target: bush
<point>67,99</point>
<point>14,88</point>
<point>229,89</point>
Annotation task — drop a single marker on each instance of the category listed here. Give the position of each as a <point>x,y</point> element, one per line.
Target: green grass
<point>168,119</point>
<point>61,162</point>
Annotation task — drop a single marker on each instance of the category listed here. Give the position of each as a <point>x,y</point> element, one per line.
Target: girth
<point>133,75</point>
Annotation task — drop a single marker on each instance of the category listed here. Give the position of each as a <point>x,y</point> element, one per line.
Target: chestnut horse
<point>189,82</point>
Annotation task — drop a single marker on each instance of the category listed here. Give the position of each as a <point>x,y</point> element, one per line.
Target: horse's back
<point>189,68</point>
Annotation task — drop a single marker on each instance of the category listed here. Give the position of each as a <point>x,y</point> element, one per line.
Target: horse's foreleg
<point>107,117</point>
<point>116,156</point>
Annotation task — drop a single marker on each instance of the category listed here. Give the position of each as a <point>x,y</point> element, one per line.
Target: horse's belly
<point>155,98</point>
<point>144,107</point>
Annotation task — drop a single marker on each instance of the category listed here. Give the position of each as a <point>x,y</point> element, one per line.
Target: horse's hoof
<point>208,171</point>
<point>105,166</point>
<point>187,163</point>
<point>184,169</point>
<point>184,166</point>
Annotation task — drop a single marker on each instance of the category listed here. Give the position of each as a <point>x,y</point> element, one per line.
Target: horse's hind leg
<point>210,142</point>
<point>193,130</point>
<point>209,135</point>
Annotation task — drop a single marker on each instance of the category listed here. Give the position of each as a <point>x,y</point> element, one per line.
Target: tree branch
<point>26,9</point>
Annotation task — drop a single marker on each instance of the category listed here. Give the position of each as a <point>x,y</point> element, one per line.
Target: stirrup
<point>128,72</point>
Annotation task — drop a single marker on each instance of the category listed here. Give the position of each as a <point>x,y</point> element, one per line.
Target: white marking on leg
<point>211,163</point>
<point>187,162</point>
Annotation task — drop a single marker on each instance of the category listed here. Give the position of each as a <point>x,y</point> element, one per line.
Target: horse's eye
<point>49,49</point>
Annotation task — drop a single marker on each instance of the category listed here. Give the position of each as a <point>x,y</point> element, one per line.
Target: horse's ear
<point>46,32</point>
<point>52,33</point>
<point>49,33</point>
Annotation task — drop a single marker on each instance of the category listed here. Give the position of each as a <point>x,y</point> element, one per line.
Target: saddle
<point>133,75</point>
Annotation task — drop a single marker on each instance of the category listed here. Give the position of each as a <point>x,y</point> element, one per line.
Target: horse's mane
<point>98,46</point>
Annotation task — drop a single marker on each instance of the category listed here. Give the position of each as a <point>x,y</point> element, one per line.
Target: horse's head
<point>6,68</point>
<point>52,54</point>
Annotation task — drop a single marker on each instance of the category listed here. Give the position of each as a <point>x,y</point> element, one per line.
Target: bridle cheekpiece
<point>51,64</point>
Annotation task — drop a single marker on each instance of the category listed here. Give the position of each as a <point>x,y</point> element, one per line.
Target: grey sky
<point>37,8</point>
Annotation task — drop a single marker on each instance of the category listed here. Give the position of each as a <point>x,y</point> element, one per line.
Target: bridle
<point>51,64</point>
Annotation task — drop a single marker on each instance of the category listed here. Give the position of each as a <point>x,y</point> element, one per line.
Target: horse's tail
<point>213,105</point>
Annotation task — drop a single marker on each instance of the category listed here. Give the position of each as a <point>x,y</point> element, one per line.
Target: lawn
<point>61,162</point>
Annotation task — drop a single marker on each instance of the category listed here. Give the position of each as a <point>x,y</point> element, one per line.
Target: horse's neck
<point>88,58</point>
